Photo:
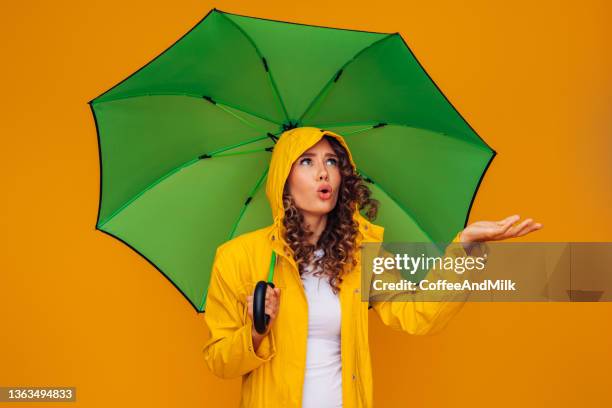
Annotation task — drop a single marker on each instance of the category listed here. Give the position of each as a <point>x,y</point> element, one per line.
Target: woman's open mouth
<point>324,192</point>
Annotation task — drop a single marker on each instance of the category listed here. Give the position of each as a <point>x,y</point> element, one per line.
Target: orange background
<point>79,308</point>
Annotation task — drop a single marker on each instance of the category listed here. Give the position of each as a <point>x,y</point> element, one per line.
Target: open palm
<point>498,230</point>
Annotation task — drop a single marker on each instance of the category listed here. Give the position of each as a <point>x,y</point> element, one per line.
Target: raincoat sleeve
<point>415,312</point>
<point>230,352</point>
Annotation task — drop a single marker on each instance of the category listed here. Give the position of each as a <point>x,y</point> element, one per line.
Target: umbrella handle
<point>260,318</point>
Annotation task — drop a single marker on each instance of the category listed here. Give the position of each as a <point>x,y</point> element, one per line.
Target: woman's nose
<point>323,174</point>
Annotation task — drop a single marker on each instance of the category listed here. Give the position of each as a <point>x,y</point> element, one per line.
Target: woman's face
<point>314,180</point>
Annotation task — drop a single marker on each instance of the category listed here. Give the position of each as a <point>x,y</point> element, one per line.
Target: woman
<point>315,351</point>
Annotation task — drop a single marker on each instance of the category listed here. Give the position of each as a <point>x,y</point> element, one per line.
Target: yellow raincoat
<point>273,375</point>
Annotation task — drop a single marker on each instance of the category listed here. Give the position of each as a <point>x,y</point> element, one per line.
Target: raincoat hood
<point>291,144</point>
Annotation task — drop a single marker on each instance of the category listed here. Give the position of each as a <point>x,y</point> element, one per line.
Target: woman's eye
<point>308,161</point>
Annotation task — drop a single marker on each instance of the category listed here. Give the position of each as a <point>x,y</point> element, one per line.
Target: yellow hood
<point>289,147</point>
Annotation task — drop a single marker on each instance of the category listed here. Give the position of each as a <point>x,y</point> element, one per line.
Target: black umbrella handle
<point>260,318</point>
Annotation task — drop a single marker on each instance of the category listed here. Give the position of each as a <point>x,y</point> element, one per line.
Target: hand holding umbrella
<point>270,306</point>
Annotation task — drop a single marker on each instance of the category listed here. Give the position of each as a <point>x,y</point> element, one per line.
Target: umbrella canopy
<point>185,141</point>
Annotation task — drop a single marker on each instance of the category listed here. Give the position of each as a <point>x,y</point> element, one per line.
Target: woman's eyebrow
<point>312,154</point>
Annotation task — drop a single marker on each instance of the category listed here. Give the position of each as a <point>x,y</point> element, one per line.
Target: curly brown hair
<point>341,230</point>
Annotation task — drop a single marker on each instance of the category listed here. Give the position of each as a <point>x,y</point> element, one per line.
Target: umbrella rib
<point>265,63</point>
<point>182,166</point>
<point>318,98</point>
<point>266,149</point>
<point>381,124</point>
<point>240,118</point>
<point>234,146</point>
<point>248,201</point>
<point>404,209</point>
<point>220,104</point>
<point>369,126</point>
<point>147,188</point>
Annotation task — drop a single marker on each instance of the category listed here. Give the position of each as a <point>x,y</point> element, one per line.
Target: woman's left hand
<point>498,230</point>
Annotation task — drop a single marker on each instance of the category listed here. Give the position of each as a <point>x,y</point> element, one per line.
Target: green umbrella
<point>206,112</point>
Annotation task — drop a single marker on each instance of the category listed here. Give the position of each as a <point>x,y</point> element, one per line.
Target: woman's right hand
<point>271,309</point>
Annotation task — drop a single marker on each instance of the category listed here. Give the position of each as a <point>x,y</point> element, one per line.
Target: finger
<point>511,219</point>
<point>271,293</point>
<point>271,302</point>
<point>526,228</point>
<point>533,227</point>
<point>273,312</point>
<point>270,311</point>
<point>517,228</point>
<point>506,227</point>
<point>512,232</point>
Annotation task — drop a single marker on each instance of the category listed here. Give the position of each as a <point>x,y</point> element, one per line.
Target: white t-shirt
<point>323,376</point>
